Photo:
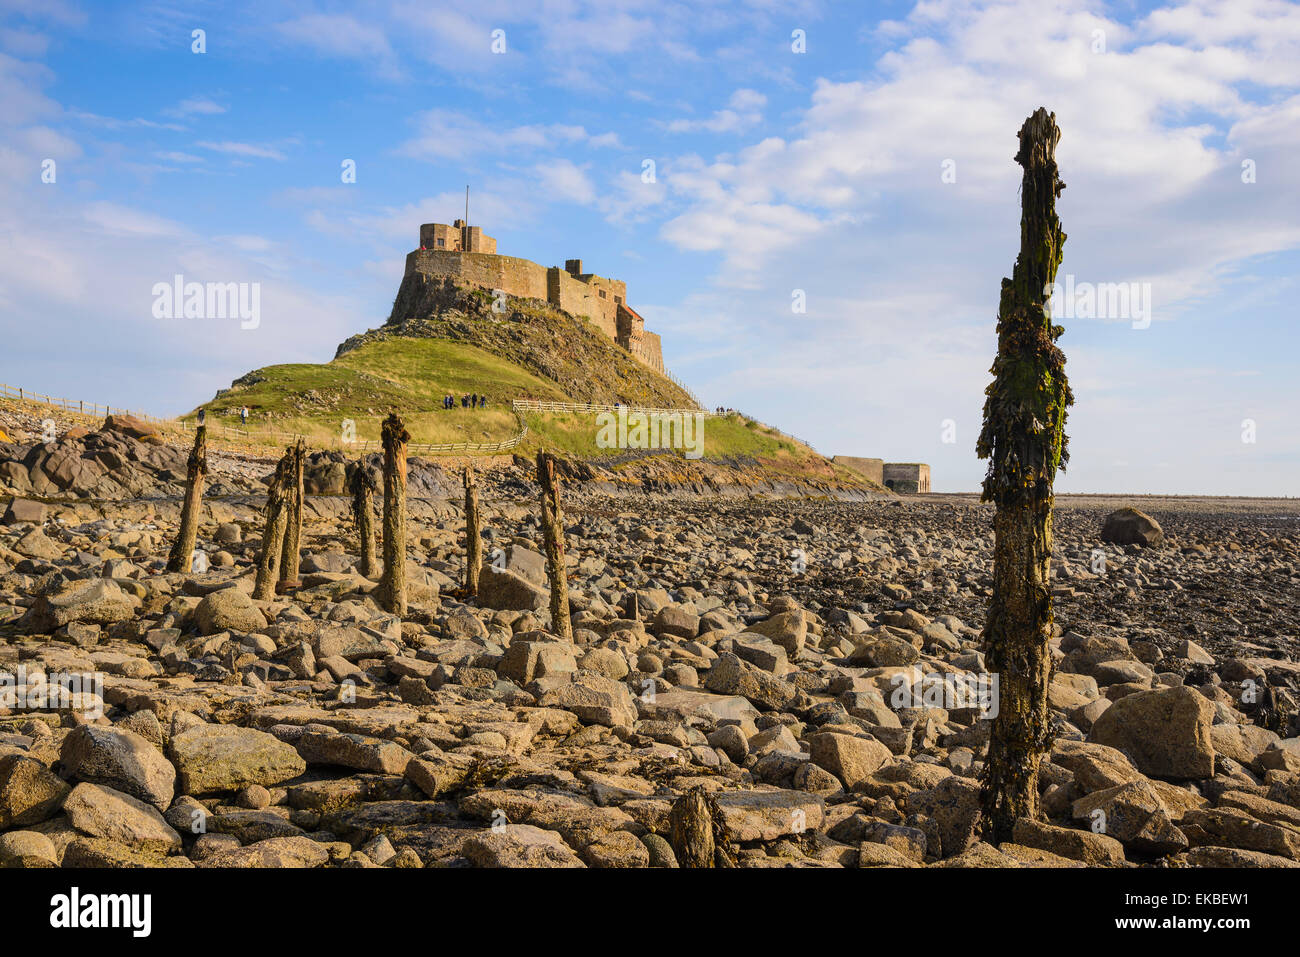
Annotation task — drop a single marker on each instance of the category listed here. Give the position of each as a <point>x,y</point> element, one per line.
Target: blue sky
<point>873,172</point>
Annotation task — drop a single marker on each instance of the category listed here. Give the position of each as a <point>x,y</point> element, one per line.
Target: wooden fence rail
<point>75,405</point>
<point>539,405</point>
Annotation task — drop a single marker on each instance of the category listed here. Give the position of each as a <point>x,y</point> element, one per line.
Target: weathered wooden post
<point>1024,440</point>
<point>553,539</point>
<point>182,552</point>
<point>473,532</point>
<point>362,486</point>
<point>690,828</point>
<point>392,586</point>
<point>268,563</point>
<point>291,557</point>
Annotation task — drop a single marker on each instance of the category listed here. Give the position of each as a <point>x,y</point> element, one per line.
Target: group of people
<point>474,401</point>
<point>723,411</point>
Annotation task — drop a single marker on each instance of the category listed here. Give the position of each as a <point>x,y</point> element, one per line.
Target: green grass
<point>411,376</point>
<point>723,437</point>
<point>407,375</point>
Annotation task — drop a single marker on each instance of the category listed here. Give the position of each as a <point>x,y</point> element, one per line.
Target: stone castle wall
<point>580,294</point>
<point>522,278</point>
<point>873,469</point>
<point>651,351</point>
<point>583,299</point>
<point>907,477</point>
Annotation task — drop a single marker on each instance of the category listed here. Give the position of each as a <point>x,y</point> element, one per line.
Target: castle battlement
<point>466,255</point>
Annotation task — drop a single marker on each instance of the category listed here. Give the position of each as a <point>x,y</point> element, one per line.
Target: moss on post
<point>1024,440</point>
<point>362,486</point>
<point>553,539</point>
<point>473,533</point>
<point>392,586</point>
<point>182,553</point>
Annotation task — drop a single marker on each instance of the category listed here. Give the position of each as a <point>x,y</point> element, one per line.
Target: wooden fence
<point>76,405</point>
<point>539,405</point>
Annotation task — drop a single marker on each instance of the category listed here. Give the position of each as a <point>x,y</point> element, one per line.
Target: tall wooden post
<point>553,538</point>
<point>473,532</point>
<point>182,552</point>
<point>362,486</point>
<point>392,587</point>
<point>268,563</point>
<point>291,557</point>
<point>1024,440</point>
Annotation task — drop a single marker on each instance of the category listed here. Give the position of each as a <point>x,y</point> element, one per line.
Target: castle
<point>463,253</point>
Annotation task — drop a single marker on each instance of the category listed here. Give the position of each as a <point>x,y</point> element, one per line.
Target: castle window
<point>442,242</point>
<point>619,300</point>
<point>602,294</point>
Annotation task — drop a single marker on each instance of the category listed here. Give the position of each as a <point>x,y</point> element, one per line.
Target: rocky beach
<point>811,666</point>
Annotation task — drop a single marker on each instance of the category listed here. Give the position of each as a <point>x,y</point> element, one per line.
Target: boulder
<point>98,601</point>
<point>228,609</point>
<point>98,811</point>
<point>119,759</point>
<point>595,699</point>
<point>29,791</point>
<point>850,758</point>
<point>730,675</point>
<point>223,757</point>
<point>526,660</point>
<point>789,629</point>
<point>1128,526</point>
<point>27,849</point>
<point>279,852</point>
<point>1134,815</point>
<point>23,510</point>
<point>1165,732</point>
<point>505,590</point>
<point>519,845</point>
<point>133,427</point>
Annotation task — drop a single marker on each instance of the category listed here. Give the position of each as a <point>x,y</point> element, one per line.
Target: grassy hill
<point>364,385</point>
<point>448,340</point>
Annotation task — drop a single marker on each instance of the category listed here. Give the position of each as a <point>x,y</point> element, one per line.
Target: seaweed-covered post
<point>362,486</point>
<point>1024,440</point>
<point>181,557</point>
<point>473,532</point>
<point>553,539</point>
<point>291,557</point>
<point>392,586</point>
<point>276,518</point>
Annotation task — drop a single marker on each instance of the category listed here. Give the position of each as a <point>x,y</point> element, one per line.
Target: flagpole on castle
<point>467,205</point>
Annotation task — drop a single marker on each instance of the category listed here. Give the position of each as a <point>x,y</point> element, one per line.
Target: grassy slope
<point>534,352</point>
<point>411,375</point>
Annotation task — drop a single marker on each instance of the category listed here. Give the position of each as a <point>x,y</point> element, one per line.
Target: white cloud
<point>339,35</point>
<point>564,180</point>
<point>253,150</point>
<point>744,110</point>
<point>195,105</point>
<point>117,220</point>
<point>448,134</point>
